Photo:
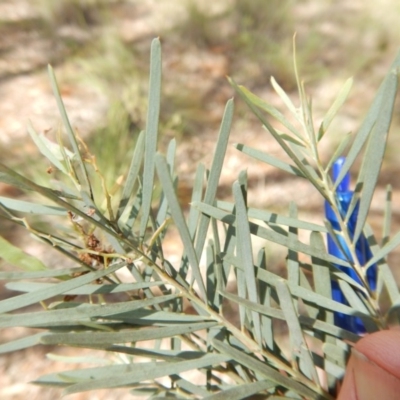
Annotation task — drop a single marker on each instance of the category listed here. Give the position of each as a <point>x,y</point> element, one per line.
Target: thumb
<point>373,371</point>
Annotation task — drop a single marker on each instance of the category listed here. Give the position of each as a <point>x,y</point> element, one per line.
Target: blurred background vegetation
<point>100,52</point>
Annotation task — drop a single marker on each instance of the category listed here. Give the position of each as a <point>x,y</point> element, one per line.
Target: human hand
<point>373,371</point>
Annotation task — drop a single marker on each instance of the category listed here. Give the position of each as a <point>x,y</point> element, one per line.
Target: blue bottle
<point>363,252</point>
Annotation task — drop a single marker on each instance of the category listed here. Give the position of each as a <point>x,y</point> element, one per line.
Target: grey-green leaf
<point>15,256</point>
<point>27,299</point>
<point>153,113</point>
<point>31,208</point>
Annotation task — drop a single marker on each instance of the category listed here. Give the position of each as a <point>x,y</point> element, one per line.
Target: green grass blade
<point>153,114</point>
<point>84,179</point>
<point>177,215</point>
<point>133,172</point>
<point>15,256</point>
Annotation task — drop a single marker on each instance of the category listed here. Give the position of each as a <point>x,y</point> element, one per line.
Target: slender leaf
<point>84,179</point>
<point>179,219</point>
<point>27,299</point>
<point>83,290</point>
<point>321,273</point>
<point>153,113</point>
<point>242,391</point>
<point>373,156</point>
<point>385,250</point>
<point>299,162</point>
<point>23,343</point>
<point>369,122</point>
<point>15,256</point>
<point>47,148</point>
<point>196,196</point>
<point>84,313</point>
<point>268,159</point>
<point>281,93</point>
<point>215,173</point>
<point>387,276</point>
<point>337,104</point>
<point>353,298</point>
<point>146,371</point>
<point>257,101</point>
<point>31,208</point>
<point>298,343</point>
<point>45,273</point>
<point>126,336</point>
<point>387,216</point>
<point>132,175</point>
<point>293,270</point>
<point>189,386</point>
<point>339,150</point>
<point>244,249</point>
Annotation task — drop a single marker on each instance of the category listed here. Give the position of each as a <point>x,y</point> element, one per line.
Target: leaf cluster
<point>121,291</point>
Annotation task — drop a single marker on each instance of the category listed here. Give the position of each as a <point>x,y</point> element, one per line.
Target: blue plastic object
<point>343,199</point>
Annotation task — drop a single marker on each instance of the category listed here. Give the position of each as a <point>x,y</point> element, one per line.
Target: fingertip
<point>382,348</point>
<point>373,371</point>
